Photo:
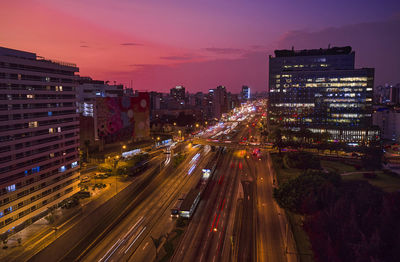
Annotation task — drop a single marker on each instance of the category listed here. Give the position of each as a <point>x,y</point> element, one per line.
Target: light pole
<point>115,173</point>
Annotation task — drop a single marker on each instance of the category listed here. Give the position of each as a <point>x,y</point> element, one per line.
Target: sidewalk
<point>40,234</point>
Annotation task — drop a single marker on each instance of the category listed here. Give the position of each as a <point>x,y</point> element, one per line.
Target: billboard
<point>120,118</point>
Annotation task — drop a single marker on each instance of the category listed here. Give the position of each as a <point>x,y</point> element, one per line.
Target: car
<point>85,179</point>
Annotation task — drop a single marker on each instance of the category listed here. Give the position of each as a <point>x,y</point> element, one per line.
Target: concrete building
<point>88,89</point>
<point>388,120</point>
<point>39,134</point>
<point>178,93</point>
<point>320,90</point>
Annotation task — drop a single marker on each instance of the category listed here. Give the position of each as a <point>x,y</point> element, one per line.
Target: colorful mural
<point>123,117</point>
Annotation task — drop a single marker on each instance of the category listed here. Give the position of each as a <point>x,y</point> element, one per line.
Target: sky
<point>155,45</point>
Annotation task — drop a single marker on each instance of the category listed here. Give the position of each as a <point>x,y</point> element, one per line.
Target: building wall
<point>388,120</point>
<point>39,134</point>
<point>119,118</point>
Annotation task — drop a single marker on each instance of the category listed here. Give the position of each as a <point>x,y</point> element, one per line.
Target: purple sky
<point>199,44</point>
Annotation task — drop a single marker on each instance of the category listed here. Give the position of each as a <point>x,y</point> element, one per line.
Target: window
<point>74,164</point>
<point>62,169</point>
<point>33,124</point>
<point>10,188</point>
<point>49,113</point>
<point>35,169</point>
<point>30,96</point>
<point>51,130</point>
<point>47,79</point>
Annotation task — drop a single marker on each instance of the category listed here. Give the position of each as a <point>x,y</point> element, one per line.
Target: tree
<point>276,137</point>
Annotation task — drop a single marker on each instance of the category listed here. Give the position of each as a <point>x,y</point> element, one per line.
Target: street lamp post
<point>115,170</point>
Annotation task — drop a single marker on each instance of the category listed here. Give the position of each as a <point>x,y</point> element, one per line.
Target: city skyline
<point>175,45</point>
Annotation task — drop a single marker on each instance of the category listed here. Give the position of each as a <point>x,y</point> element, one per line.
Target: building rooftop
<point>314,52</point>
<point>31,56</point>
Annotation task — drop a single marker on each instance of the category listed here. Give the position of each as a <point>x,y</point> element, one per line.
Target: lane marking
<point>134,240</point>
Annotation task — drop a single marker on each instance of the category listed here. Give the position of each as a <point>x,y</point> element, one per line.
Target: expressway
<point>131,238</point>
<point>270,237</point>
<point>207,233</point>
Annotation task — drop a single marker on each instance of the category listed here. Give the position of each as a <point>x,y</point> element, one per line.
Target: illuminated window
<point>74,164</point>
<point>30,96</point>
<point>62,169</point>
<point>33,124</point>
<point>10,188</point>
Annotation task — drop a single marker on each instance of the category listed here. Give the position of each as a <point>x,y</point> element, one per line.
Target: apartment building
<point>39,135</point>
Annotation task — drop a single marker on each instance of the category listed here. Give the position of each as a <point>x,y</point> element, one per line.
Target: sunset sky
<point>199,44</point>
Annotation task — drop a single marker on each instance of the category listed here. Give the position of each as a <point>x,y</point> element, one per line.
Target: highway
<point>270,231</point>
<point>207,233</point>
<point>236,218</point>
<point>130,239</point>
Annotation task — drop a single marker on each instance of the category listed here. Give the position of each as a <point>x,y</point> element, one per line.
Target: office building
<point>321,90</point>
<point>39,134</point>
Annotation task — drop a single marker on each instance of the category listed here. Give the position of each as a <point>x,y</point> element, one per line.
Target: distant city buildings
<point>178,93</point>
<point>245,92</point>
<point>387,94</point>
<point>39,134</point>
<point>320,90</point>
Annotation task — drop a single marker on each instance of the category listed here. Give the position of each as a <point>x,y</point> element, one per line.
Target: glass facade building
<point>322,91</point>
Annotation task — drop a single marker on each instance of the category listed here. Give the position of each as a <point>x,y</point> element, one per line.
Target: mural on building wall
<point>123,117</point>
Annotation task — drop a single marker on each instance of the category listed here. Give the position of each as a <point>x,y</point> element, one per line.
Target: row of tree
<point>304,138</point>
<point>345,220</point>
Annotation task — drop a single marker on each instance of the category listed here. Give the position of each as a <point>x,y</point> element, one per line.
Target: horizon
<point>198,45</point>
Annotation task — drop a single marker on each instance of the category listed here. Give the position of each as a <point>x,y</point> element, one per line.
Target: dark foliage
<point>309,192</point>
<point>302,160</point>
<point>361,225</point>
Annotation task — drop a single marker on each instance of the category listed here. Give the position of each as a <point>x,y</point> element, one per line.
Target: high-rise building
<point>321,90</point>
<point>178,93</point>
<point>39,134</point>
<point>245,92</point>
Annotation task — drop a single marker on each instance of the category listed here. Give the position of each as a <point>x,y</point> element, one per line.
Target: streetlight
<point>197,125</point>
